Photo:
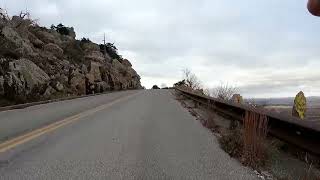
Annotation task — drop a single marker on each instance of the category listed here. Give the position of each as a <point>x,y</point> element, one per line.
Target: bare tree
<point>224,91</point>
<point>4,14</point>
<point>191,79</point>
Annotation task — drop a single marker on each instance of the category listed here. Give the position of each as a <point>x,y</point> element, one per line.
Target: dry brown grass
<point>255,128</point>
<point>249,141</point>
<point>232,142</point>
<point>210,120</point>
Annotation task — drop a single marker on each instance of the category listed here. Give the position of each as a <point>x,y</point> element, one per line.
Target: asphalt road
<point>20,121</point>
<point>145,136</point>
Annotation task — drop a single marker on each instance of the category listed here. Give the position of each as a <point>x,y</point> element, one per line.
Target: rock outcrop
<point>237,98</point>
<point>21,78</point>
<point>54,49</point>
<point>37,63</point>
<point>300,106</point>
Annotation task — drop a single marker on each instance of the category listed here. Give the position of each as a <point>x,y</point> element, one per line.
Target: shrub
<point>85,40</point>
<point>224,92</point>
<point>232,143</point>
<point>60,28</point>
<point>191,80</point>
<point>111,49</point>
<point>155,87</point>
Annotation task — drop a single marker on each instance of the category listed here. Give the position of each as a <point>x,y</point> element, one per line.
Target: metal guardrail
<point>301,133</point>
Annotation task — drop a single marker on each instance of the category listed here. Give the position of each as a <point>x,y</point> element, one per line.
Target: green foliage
<point>60,28</point>
<point>85,40</point>
<point>111,49</point>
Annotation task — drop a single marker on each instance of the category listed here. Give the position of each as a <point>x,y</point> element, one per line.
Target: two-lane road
<point>135,135</point>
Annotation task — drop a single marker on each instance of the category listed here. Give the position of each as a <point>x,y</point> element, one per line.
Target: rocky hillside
<point>38,63</point>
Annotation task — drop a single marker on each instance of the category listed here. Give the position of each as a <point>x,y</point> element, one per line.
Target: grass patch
<point>232,142</point>
<point>248,142</point>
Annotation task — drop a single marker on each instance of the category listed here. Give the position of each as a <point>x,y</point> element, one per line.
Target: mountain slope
<point>39,63</point>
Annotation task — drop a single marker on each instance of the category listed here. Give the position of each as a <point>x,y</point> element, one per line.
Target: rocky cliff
<point>39,63</point>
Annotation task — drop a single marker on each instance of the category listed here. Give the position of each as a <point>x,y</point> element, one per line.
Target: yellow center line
<point>7,145</point>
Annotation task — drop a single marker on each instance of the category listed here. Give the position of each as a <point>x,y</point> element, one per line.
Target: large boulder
<point>47,36</point>
<point>54,49</point>
<point>35,41</point>
<point>117,64</point>
<point>95,56</point>
<point>49,91</point>
<point>77,82</point>
<point>237,98</point>
<point>134,84</point>
<point>123,77</point>
<point>44,36</point>
<point>14,86</point>
<point>58,86</point>
<point>21,25</point>
<point>126,63</point>
<point>300,106</point>
<point>133,74</point>
<point>65,67</point>
<point>63,79</point>
<point>94,74</point>
<point>123,70</point>
<point>32,74</point>
<point>101,87</point>
<point>13,45</point>
<point>22,77</point>
<point>113,80</point>
<point>89,47</point>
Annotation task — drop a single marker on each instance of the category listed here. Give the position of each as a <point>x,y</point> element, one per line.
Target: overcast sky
<point>267,48</point>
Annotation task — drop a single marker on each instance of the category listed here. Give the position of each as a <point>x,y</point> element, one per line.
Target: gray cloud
<point>251,44</point>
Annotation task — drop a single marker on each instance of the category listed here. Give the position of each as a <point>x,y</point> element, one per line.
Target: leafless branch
<point>224,91</point>
<point>191,79</point>
<point>4,14</point>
